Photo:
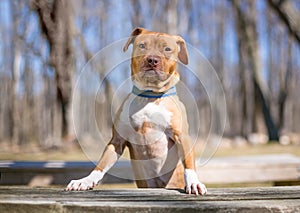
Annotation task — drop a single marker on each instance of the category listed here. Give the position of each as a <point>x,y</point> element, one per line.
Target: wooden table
<point>271,199</point>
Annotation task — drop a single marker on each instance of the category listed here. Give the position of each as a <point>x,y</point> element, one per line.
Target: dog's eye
<point>142,46</point>
<point>168,49</point>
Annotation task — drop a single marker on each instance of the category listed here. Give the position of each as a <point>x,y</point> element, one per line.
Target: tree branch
<point>44,11</point>
<point>288,15</point>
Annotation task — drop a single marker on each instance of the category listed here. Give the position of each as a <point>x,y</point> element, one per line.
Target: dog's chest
<point>150,115</point>
<point>141,119</point>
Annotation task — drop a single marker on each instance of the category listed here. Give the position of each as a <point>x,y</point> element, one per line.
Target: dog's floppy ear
<point>137,31</point>
<point>182,54</point>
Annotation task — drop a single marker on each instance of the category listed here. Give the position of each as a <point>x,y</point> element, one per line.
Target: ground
<point>75,154</point>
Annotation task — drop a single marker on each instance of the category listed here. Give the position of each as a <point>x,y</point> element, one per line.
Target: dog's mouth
<point>153,79</point>
<point>153,74</point>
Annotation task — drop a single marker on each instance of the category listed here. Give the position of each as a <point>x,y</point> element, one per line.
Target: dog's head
<point>154,59</point>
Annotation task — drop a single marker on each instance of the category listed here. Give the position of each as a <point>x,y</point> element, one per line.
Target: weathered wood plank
<point>221,194</point>
<point>274,199</point>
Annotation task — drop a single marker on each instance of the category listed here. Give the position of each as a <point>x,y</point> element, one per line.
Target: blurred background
<point>254,46</point>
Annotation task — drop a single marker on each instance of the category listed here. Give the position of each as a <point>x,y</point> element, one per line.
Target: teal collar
<point>151,94</point>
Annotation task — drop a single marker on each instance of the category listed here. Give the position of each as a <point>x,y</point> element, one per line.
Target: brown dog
<point>152,121</point>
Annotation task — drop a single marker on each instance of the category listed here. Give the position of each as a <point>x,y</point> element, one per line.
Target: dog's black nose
<point>153,60</point>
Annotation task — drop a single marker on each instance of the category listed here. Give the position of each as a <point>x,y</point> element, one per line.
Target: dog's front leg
<point>110,155</point>
<point>186,153</point>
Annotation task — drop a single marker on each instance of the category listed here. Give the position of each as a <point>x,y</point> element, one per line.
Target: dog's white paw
<point>85,183</point>
<point>196,188</point>
<point>192,183</point>
<point>80,185</point>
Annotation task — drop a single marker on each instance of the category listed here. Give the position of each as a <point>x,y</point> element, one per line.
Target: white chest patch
<point>153,113</point>
<point>138,112</point>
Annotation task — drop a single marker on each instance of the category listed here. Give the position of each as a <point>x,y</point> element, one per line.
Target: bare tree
<point>16,69</point>
<point>246,87</point>
<point>172,17</point>
<point>56,23</point>
<point>247,28</point>
<point>284,79</point>
<point>136,18</point>
<point>290,17</point>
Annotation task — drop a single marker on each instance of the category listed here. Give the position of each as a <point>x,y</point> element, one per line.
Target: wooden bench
<point>272,199</point>
<point>55,172</point>
<point>246,169</point>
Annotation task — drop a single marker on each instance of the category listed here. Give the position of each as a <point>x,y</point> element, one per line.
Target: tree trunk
<point>284,79</point>
<point>15,99</point>
<point>245,95</point>
<point>56,23</point>
<point>172,17</point>
<point>136,19</point>
<point>16,68</point>
<point>247,25</point>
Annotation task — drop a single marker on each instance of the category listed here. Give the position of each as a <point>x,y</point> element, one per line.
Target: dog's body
<point>152,121</point>
<point>154,155</point>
